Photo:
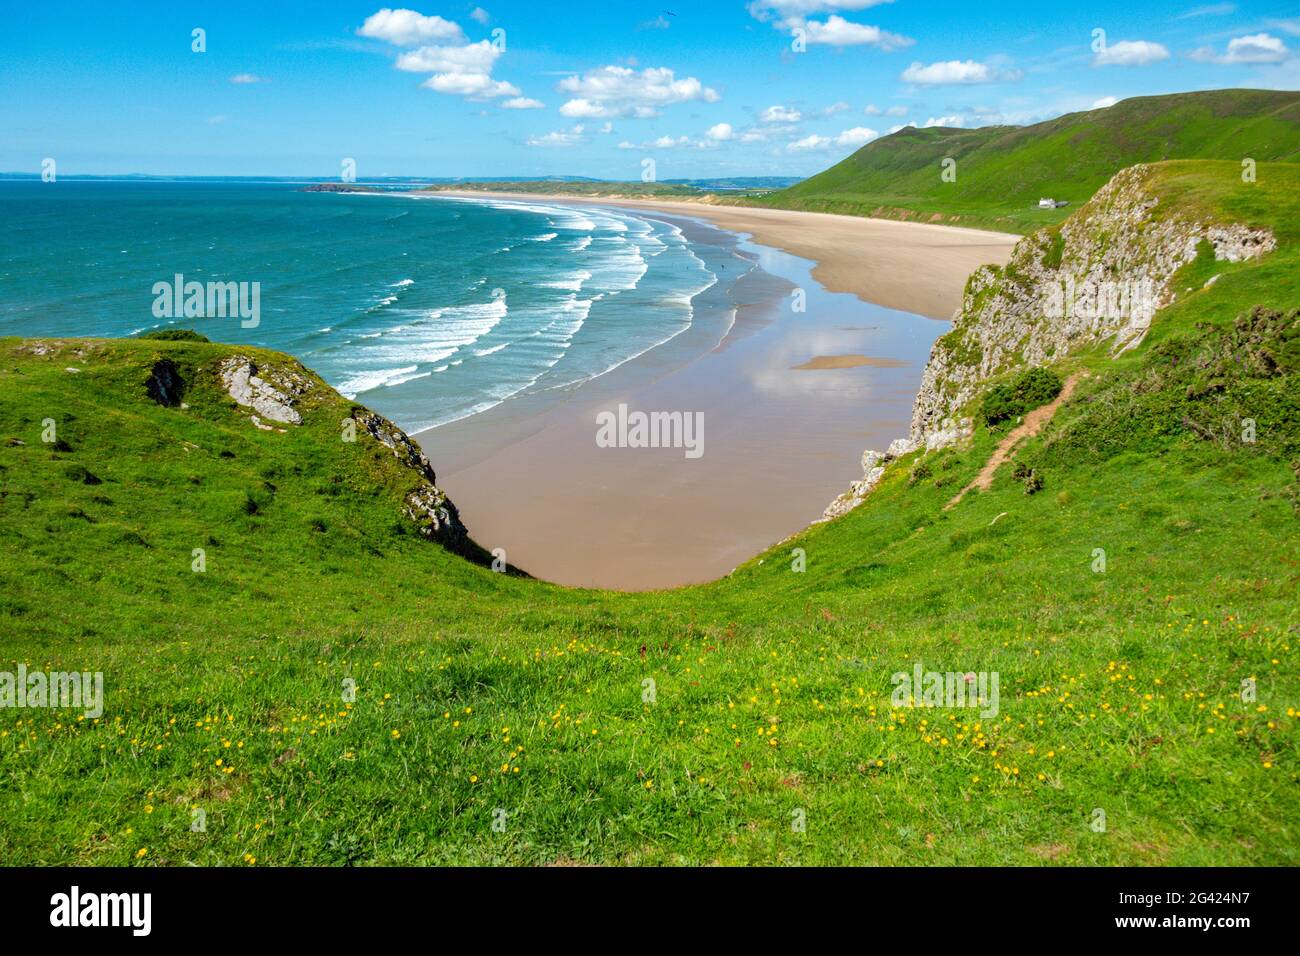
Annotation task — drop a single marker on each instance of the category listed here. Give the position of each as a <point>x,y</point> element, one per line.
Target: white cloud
<point>479,15</point>
<point>612,91</point>
<point>477,57</point>
<point>895,129</point>
<point>956,72</point>
<point>856,136</point>
<point>780,114</point>
<point>559,138</point>
<point>1104,103</point>
<point>721,132</point>
<point>836,31</point>
<point>834,108</point>
<point>244,78</point>
<point>463,70</point>
<point>810,142</point>
<point>407,28</point>
<point>1131,53</point>
<point>1255,48</point>
<point>788,9</point>
<point>523,103</point>
<point>475,86</point>
<point>874,110</point>
<point>951,121</point>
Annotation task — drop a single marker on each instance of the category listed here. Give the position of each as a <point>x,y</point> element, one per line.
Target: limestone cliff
<point>1101,275</point>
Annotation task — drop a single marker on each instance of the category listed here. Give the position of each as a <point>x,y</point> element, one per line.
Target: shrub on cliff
<point>175,335</point>
<point>1032,388</point>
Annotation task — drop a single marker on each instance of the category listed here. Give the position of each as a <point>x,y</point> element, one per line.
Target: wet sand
<point>777,443</point>
<point>847,361</point>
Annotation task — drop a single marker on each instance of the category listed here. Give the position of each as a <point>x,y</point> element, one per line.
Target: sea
<point>427,309</point>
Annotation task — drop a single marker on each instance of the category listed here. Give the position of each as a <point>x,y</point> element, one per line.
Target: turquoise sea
<point>426,309</point>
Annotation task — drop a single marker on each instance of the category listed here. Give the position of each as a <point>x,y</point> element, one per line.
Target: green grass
<point>1002,171</point>
<point>479,692</point>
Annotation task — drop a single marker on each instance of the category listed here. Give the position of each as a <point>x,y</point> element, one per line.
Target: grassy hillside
<point>482,697</point>
<point>1002,171</point>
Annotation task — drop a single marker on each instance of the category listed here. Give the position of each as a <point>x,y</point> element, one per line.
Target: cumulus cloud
<point>1104,103</point>
<point>474,86</point>
<point>874,110</point>
<point>848,138</point>
<point>477,57</point>
<point>721,132</point>
<point>766,10</point>
<point>612,91</point>
<point>780,114</point>
<point>856,136</point>
<point>1130,53</point>
<point>406,27</point>
<point>810,142</point>
<point>956,122</point>
<point>459,68</point>
<point>1255,48</point>
<point>836,31</point>
<point>956,72</point>
<point>560,138</point>
<point>523,103</point>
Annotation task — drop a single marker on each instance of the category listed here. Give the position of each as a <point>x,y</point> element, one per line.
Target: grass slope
<point>480,695</point>
<point>1002,171</point>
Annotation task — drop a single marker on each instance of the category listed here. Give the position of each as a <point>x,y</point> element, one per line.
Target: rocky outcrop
<point>276,392</point>
<point>427,505</point>
<point>1101,276</point>
<point>272,392</point>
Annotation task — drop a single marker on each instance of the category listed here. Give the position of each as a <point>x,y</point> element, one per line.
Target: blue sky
<point>704,87</point>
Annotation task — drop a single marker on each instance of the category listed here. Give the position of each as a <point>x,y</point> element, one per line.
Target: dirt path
<point>1031,426</point>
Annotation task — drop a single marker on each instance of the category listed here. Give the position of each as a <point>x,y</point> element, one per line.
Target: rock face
<point>1102,276</point>
<point>428,505</point>
<point>272,393</point>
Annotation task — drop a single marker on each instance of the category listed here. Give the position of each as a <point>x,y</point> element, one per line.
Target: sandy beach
<point>786,399</point>
<point>909,266</point>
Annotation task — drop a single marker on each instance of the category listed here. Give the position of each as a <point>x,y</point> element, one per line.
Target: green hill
<point>1002,171</point>
<point>337,687</point>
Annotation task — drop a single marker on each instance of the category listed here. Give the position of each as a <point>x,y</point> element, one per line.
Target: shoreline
<point>780,441</point>
<point>914,267</point>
